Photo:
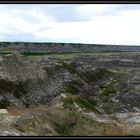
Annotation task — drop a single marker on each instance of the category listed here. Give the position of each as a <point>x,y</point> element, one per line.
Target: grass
<point>67,55</point>
<point>89,76</point>
<point>57,56</point>
<point>64,55</point>
<point>81,102</point>
<point>65,123</point>
<point>108,89</point>
<point>124,70</point>
<point>68,103</point>
<point>73,86</point>
<point>120,77</point>
<point>95,76</point>
<point>74,124</point>
<point>70,67</point>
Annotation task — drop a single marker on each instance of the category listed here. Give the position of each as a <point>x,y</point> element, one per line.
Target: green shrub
<point>4,104</point>
<point>69,103</point>
<point>111,107</point>
<point>18,88</point>
<point>81,102</point>
<point>109,89</point>
<point>70,67</point>
<point>96,75</point>
<point>70,88</point>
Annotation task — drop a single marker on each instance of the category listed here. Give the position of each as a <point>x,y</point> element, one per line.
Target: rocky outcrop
<point>24,82</point>
<point>30,47</point>
<point>78,96</point>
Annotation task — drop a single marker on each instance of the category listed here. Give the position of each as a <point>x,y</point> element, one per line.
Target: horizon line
<point>67,43</point>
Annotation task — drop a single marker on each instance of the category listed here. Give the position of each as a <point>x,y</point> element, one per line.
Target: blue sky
<point>72,23</point>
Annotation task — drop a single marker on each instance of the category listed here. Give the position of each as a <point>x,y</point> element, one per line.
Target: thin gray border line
<point>69,2</point>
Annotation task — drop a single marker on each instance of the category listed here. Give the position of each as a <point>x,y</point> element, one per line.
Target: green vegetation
<point>124,70</point>
<point>17,88</point>
<point>106,93</point>
<point>4,104</point>
<point>70,88</point>
<point>62,128</point>
<point>68,103</point>
<point>111,107</point>
<point>96,75</point>
<point>108,89</point>
<point>73,86</point>
<point>57,122</point>
<point>33,53</point>
<point>68,123</point>
<point>89,76</point>
<point>63,53</point>
<point>71,67</point>
<point>120,77</point>
<point>5,53</point>
<point>81,102</point>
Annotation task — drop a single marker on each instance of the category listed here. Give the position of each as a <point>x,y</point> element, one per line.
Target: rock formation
<point>83,95</point>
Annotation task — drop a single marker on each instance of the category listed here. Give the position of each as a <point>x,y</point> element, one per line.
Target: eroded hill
<point>85,95</point>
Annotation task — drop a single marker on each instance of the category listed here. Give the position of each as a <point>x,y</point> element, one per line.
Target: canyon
<point>60,89</point>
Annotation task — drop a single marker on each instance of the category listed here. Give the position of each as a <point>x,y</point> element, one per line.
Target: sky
<point>71,23</point>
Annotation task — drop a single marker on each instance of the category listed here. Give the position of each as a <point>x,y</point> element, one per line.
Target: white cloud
<point>90,9</point>
<point>119,28</point>
<point>22,25</point>
<point>96,9</point>
<point>13,21</point>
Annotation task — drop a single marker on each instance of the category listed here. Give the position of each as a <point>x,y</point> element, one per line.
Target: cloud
<point>97,9</point>
<point>107,29</point>
<point>21,21</point>
<point>103,24</point>
<point>90,9</point>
